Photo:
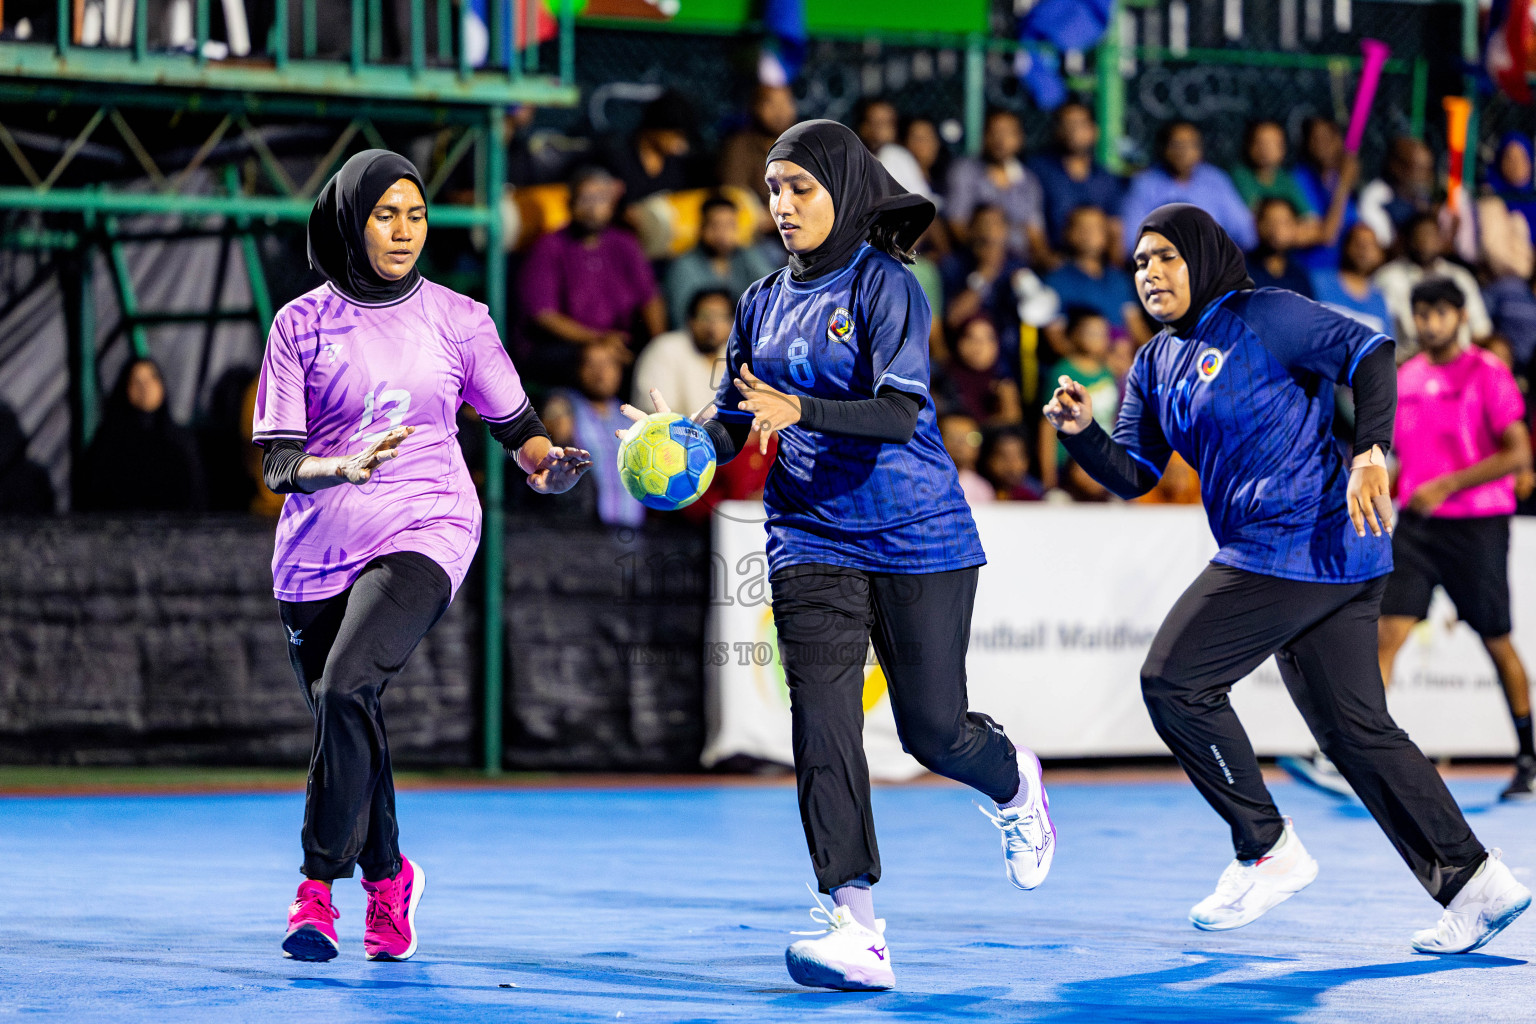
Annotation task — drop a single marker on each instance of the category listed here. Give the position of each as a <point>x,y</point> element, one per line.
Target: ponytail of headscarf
<point>1216,264</point>
<point>336,246</point>
<point>866,200</point>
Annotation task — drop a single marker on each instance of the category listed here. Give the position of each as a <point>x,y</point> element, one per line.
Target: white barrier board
<point>1066,609</point>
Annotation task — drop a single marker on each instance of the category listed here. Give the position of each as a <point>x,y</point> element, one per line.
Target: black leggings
<point>826,616</point>
<point>345,649</point>
<point>1324,638</point>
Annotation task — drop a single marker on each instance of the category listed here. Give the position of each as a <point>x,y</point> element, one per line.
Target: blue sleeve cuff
<point>1371,344</point>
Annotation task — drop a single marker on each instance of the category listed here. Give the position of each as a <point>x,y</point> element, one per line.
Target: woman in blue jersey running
<point>869,536</point>
<point>1240,383</point>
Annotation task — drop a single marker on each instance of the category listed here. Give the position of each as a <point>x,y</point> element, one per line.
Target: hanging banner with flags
<point>1066,609</point>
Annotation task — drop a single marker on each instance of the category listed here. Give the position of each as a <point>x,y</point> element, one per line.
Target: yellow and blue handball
<point>666,461</point>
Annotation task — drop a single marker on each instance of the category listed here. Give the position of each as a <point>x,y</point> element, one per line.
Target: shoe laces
<point>305,901</point>
<point>1013,829</point>
<point>823,915</point>
<point>1235,881</point>
<point>383,909</point>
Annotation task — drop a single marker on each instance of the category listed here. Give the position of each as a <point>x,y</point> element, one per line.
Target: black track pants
<point>826,617</point>
<point>1324,639</point>
<point>345,650</point>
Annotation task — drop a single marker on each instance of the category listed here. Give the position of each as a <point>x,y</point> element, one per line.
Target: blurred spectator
<point>140,460</point>
<point>1270,263</point>
<point>744,154</point>
<point>962,439</point>
<point>1510,178</point>
<point>686,365</point>
<point>719,261</point>
<point>224,443</point>
<point>1088,279</point>
<point>1179,485</point>
<point>1071,178</point>
<point>1182,176</point>
<point>25,489</point>
<point>1327,174</point>
<point>1350,288</point>
<point>1088,335</point>
<point>1405,189</point>
<point>921,139</point>
<point>1512,310</point>
<point>1262,175</point>
<point>975,381</point>
<point>999,178</point>
<point>926,268</point>
<point>587,284</point>
<point>1004,460</point>
<point>979,277</point>
<point>655,158</point>
<point>1424,248</point>
<point>587,417</point>
<point>876,122</point>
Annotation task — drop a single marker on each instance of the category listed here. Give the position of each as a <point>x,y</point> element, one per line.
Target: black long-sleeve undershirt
<point>890,417</point>
<point>1375,387</point>
<point>280,459</point>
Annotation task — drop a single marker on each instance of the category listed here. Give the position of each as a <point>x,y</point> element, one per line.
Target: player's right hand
<point>1070,410</point>
<point>636,415</point>
<point>358,469</point>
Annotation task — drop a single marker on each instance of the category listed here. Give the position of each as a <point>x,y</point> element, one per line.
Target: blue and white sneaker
<point>1248,889</point>
<point>1486,905</point>
<point>1029,837</point>
<point>846,956</point>
<point>1318,772</point>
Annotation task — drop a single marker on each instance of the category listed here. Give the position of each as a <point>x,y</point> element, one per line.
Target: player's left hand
<point>771,410</point>
<point>1430,496</point>
<point>1370,494</point>
<point>559,469</point>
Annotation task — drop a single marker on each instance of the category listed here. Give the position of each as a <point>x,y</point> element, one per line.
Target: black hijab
<point>1216,264</point>
<point>864,196</point>
<point>336,225</point>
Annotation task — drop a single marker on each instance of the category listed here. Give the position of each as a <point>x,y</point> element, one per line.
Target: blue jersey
<point>851,501</point>
<point>1247,399</point>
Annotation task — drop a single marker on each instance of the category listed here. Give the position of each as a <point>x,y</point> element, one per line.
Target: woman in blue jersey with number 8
<point>869,535</point>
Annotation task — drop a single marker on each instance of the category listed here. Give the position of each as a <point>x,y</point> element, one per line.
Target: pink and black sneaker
<point>391,929</point>
<point>311,931</point>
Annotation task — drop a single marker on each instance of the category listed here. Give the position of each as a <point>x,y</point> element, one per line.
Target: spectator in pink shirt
<point>587,284</point>
<point>1461,437</point>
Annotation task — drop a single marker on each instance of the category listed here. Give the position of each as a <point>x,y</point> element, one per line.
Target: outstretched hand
<point>559,469</point>
<point>358,469</point>
<point>1070,409</point>
<point>636,415</point>
<point>772,410</point>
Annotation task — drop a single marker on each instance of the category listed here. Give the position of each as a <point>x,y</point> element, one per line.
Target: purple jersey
<point>339,374</point>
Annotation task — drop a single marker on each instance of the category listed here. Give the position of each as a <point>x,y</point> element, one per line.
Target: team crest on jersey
<point>1211,362</point>
<point>839,325</point>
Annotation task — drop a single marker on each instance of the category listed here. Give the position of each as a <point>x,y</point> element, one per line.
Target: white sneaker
<point>1029,837</point>
<point>847,955</point>
<point>1486,905</point>
<point>1250,888</point>
<point>1319,773</point>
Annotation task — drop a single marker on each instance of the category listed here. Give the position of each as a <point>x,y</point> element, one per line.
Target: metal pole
<point>1420,101</point>
<point>975,91</point>
<point>1469,54</point>
<point>280,34</point>
<point>418,35</point>
<point>494,538</point>
<point>358,27</point>
<point>1109,102</point>
<point>567,42</point>
<point>87,388</point>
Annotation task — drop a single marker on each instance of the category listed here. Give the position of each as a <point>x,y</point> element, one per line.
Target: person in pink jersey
<point>355,410</point>
<point>1461,437</point>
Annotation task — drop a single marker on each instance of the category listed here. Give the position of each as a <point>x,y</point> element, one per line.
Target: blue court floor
<point>675,905</point>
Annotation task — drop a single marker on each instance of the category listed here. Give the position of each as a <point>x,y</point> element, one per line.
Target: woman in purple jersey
<point>869,535</point>
<point>376,535</point>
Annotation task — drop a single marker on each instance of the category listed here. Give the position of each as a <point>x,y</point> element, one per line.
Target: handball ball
<point>666,461</point>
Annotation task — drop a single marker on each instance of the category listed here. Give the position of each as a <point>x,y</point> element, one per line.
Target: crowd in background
<point>632,251</point>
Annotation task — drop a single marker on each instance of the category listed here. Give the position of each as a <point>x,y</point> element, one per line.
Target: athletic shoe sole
<point>1302,770</point>
<point>418,886</point>
<point>1278,898</point>
<point>308,943</point>
<point>1503,919</point>
<point>815,974</point>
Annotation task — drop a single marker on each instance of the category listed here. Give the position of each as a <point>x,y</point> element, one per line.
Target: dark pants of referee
<point>345,649</point>
<point>1324,638</point>
<point>826,616</point>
